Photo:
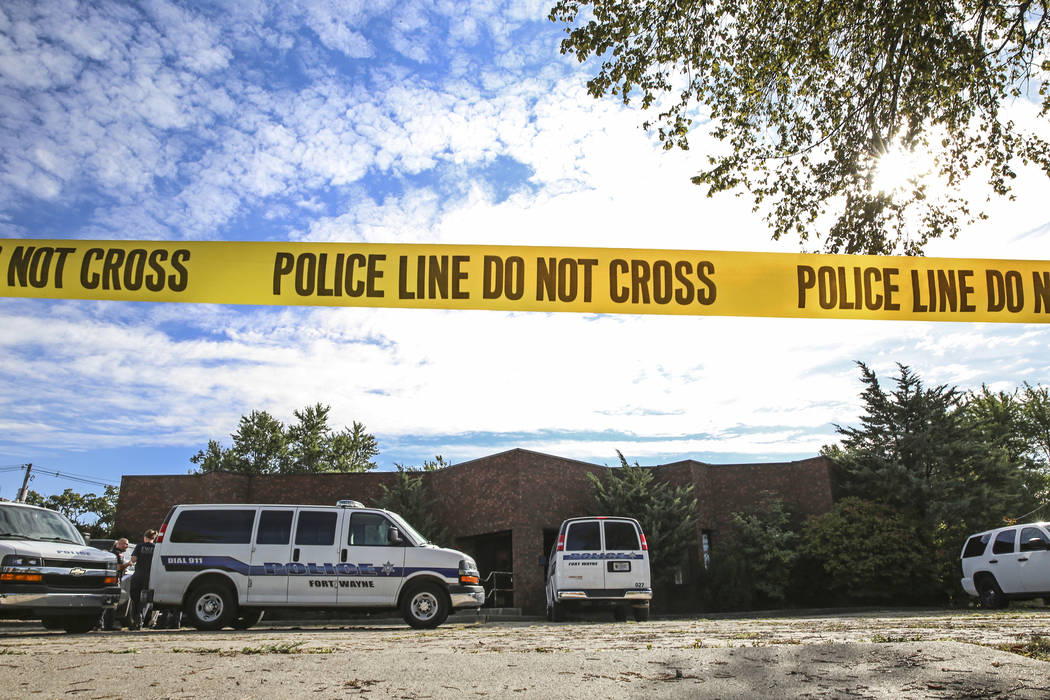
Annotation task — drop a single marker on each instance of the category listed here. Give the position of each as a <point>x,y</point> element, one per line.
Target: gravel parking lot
<point>894,654</point>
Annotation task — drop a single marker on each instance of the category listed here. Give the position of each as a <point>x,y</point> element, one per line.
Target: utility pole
<point>25,485</point>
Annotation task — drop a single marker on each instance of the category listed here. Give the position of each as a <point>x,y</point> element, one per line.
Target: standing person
<point>120,548</point>
<point>142,560</point>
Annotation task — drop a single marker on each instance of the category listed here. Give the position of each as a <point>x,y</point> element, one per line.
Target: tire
<point>424,606</point>
<point>211,606</point>
<point>991,596</point>
<point>620,613</point>
<point>246,619</point>
<point>557,613</point>
<point>641,614</point>
<point>53,623</point>
<point>79,624</point>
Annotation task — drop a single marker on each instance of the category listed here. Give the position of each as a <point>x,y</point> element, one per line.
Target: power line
<point>93,481</point>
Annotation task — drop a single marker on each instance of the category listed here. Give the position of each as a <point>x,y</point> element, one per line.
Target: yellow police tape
<point>523,278</point>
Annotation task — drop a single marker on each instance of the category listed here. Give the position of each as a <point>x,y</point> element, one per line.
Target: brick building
<point>503,509</point>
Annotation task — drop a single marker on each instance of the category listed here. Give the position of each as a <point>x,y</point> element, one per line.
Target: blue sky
<point>433,122</point>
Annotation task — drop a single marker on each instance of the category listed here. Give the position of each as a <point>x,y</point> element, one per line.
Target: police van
<point>599,562</point>
<point>48,573</point>
<point>225,565</point>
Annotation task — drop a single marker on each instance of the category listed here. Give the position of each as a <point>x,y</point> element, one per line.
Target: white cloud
<point>171,132</point>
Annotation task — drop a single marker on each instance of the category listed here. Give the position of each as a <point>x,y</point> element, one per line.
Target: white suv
<point>599,562</point>
<point>1009,563</point>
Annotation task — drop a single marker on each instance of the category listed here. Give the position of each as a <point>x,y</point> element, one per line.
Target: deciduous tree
<point>263,445</point>
<point>811,98</point>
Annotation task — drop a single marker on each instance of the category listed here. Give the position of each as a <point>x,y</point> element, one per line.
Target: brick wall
<point>521,491</point>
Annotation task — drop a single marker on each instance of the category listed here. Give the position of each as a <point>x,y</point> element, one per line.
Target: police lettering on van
<point>227,564</point>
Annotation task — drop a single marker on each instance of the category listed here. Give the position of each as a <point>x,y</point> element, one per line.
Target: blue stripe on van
<point>205,563</point>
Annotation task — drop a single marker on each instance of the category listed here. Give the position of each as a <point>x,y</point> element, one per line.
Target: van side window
<point>213,527</point>
<point>368,530</point>
<point>621,536</point>
<point>275,527</point>
<point>1032,533</point>
<point>315,527</point>
<point>1004,542</point>
<point>976,545</point>
<point>584,537</point>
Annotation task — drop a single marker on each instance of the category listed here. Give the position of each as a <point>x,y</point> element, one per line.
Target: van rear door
<point>626,566</point>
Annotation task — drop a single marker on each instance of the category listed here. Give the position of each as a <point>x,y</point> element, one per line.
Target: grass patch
<point>286,648</point>
<point>277,648</point>
<point>894,639</point>
<point>1038,648</point>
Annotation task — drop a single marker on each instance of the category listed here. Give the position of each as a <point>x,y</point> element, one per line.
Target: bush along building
<point>505,509</point>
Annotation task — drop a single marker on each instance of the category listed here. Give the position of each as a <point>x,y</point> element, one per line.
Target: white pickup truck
<point>48,573</point>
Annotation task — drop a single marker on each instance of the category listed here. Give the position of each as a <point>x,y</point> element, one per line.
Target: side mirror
<point>1034,544</point>
<point>393,536</point>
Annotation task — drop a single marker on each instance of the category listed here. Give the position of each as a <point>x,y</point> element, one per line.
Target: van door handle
<point>342,556</point>
<point>1022,558</point>
<point>990,561</point>
<point>295,554</point>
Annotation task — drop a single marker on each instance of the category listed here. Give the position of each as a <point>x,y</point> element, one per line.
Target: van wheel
<point>80,624</point>
<point>53,623</point>
<point>425,606</point>
<point>210,607</point>
<point>991,596</point>
<point>641,614</point>
<point>246,619</point>
<point>556,612</point>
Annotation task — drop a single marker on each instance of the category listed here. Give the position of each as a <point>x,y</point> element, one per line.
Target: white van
<point>599,562</point>
<point>224,565</point>
<point>49,574</point>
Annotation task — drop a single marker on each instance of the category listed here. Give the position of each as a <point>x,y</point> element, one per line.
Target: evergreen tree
<point>752,565</point>
<point>409,498</point>
<point>864,552</point>
<point>667,513</point>
<point>910,445</point>
<point>950,463</point>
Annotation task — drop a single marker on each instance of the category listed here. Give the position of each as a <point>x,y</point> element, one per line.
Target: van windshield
<point>416,538</point>
<point>36,524</point>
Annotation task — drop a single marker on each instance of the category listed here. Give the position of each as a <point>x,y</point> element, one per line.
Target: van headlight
<point>20,560</point>
<point>468,573</point>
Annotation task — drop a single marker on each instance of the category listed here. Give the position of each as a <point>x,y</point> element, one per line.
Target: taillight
<point>645,545</point>
<point>561,543</point>
<point>164,526</point>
